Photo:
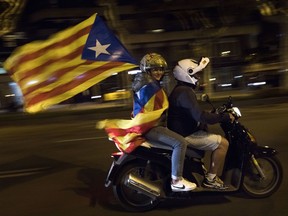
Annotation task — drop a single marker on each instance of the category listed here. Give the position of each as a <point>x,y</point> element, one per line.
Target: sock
<point>210,176</point>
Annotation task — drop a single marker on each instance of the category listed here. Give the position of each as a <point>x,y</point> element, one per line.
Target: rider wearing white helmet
<point>187,118</point>
<point>186,70</point>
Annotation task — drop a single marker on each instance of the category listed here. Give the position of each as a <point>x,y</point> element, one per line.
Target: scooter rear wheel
<point>131,199</point>
<point>258,187</point>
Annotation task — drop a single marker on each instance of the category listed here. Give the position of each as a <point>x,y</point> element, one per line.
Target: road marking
<point>81,139</point>
<point>22,172</point>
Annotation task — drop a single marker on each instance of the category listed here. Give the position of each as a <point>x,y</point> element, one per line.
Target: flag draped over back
<point>127,134</point>
<point>69,62</point>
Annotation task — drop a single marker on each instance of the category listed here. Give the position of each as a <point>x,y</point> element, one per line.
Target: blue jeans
<point>160,136</point>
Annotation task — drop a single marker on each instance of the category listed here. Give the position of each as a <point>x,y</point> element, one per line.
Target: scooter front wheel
<point>264,184</point>
<point>131,199</point>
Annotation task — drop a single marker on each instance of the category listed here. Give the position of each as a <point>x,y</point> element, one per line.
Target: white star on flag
<point>99,49</point>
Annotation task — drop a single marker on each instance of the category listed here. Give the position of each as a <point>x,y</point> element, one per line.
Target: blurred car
<point>117,95</point>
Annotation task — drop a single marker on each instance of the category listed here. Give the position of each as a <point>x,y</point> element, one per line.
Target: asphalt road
<point>54,165</point>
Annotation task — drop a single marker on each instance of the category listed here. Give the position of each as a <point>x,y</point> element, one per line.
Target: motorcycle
<point>141,179</point>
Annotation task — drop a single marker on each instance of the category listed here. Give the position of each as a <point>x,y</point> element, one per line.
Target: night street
<point>57,166</point>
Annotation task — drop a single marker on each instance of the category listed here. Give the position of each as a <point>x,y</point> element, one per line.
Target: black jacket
<point>185,114</point>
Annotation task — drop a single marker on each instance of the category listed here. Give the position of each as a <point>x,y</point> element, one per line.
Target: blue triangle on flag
<point>103,45</point>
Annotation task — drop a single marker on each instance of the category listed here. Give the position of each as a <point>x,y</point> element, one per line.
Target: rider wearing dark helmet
<point>187,118</point>
<point>149,96</point>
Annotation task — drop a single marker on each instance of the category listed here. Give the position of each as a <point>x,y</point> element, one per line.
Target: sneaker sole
<point>215,187</point>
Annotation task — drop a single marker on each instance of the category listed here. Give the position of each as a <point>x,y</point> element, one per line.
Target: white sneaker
<point>183,185</point>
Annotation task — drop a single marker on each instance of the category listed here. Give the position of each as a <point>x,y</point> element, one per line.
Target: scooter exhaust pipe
<point>148,188</point>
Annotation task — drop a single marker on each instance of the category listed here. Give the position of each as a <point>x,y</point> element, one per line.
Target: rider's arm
<point>189,101</point>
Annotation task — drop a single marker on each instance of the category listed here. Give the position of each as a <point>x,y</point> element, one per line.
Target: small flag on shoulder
<point>127,134</point>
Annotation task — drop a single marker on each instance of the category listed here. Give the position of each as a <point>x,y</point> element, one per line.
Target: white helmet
<point>186,69</point>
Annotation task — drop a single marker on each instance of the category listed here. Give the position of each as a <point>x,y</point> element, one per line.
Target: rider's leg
<point>218,145</point>
<point>218,156</point>
<point>215,143</point>
<point>217,159</point>
<point>163,136</point>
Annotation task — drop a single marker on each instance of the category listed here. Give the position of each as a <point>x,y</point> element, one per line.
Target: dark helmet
<point>152,60</point>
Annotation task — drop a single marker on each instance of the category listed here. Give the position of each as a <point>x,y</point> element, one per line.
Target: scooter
<point>141,179</point>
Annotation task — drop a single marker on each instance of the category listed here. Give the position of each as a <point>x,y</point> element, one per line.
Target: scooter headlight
<point>236,112</point>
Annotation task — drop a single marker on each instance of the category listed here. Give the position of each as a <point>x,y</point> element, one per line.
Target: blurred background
<point>247,41</point>
<point>55,163</point>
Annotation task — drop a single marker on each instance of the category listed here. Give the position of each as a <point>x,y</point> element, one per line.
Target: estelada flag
<point>128,133</point>
<point>69,62</point>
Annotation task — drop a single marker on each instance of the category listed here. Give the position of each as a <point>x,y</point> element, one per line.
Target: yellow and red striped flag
<point>128,133</point>
<point>69,62</point>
